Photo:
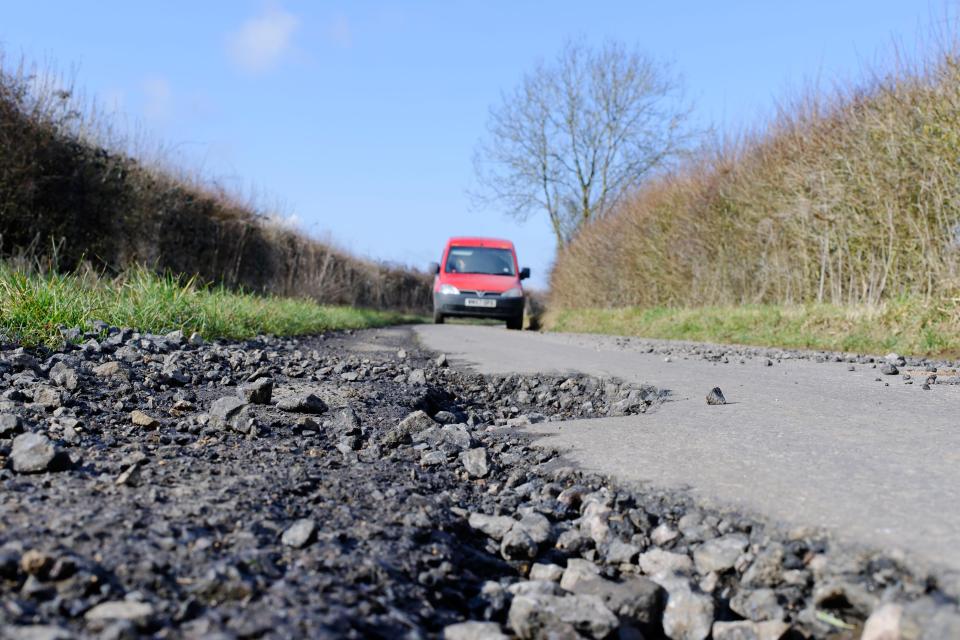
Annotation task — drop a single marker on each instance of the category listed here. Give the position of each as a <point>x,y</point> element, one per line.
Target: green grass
<point>906,326</point>
<point>33,306</point>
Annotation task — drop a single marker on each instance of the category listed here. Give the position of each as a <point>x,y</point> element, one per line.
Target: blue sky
<point>360,118</point>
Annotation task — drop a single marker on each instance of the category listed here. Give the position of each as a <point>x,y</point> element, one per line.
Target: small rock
<point>34,453</point>
<point>48,397</point>
<point>883,623</point>
<point>716,396</point>
<point>546,572</point>
<point>141,419</point>
<point>257,392</point>
<point>137,612</point>
<point>539,616</point>
<point>659,562</point>
<point>10,425</point>
<point>110,369</point>
<point>36,632</point>
<point>517,544</point>
<point>36,563</point>
<point>620,552</point>
<point>889,369</point>
<point>413,423</point>
<point>757,605</point>
<point>750,630</point>
<point>688,615</point>
<point>441,360</point>
<point>299,534</point>
<point>719,554</point>
<point>662,534</point>
<point>417,377</point>
<point>224,410</point>
<point>473,631</point>
<point>494,526</point>
<point>578,570</point>
<point>64,376</point>
<point>302,403</point>
<point>634,599</point>
<point>475,462</point>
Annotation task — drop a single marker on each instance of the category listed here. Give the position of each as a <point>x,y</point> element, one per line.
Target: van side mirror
<point>433,267</point>
<point>524,273</point>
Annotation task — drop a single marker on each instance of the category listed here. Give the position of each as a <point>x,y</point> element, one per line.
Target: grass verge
<point>907,326</point>
<point>33,307</point>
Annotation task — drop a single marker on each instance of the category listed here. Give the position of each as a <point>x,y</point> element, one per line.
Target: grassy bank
<point>906,326</point>
<point>33,307</point>
<point>847,196</point>
<point>73,190</point>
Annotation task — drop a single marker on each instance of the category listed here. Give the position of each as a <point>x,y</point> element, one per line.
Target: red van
<point>479,278</point>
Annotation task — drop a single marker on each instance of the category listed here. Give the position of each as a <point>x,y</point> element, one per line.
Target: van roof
<point>471,241</point>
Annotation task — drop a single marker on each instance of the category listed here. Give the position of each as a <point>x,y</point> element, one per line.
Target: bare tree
<point>578,134</point>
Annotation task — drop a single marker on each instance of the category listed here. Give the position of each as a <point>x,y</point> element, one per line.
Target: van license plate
<point>480,302</point>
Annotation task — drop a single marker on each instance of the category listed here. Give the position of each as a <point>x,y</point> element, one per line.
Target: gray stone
<point>445,417</point>
<point>457,435</point>
<point>433,458</point>
<point>636,599</point>
<point>441,360</point>
<point>620,552</point>
<point>716,396</point>
<point>889,369</point>
<point>719,554</point>
<point>10,425</point>
<point>884,623</point>
<point>137,612</point>
<point>659,562</point>
<point>141,419</point>
<point>413,423</point>
<point>688,615</point>
<point>35,632</point>
<point>536,525</point>
<point>535,616</point>
<point>34,453</point>
<point>64,376</point>
<point>111,369</point>
<point>225,410</point>
<point>302,403</point>
<point>662,534</point>
<point>518,545</point>
<point>48,397</point>
<point>299,534</point>
<point>758,605</point>
<point>546,572</point>
<point>257,392</point>
<point>494,526</point>
<point>417,377</point>
<point>578,570</point>
<point>475,462</point>
<point>473,631</point>
<point>766,569</point>
<point>750,630</point>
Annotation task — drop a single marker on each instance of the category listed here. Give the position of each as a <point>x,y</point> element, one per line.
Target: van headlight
<point>449,289</point>
<point>516,292</point>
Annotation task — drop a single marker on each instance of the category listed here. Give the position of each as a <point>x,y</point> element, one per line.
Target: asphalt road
<point>801,443</point>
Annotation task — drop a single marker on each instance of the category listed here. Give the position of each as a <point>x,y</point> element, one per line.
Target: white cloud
<point>261,42</point>
<point>158,98</point>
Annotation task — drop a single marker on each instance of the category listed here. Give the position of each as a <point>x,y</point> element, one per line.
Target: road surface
<point>801,443</point>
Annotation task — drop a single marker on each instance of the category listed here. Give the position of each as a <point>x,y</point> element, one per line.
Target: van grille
<point>480,294</point>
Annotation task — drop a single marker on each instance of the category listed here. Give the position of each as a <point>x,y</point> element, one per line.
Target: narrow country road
<point>802,442</point>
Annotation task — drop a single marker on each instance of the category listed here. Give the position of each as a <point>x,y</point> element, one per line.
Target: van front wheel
<point>437,317</point>
<point>515,324</point>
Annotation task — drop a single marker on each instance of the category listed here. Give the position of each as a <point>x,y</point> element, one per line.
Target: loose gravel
<point>159,486</point>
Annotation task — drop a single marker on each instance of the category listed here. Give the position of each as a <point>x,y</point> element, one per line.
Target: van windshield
<point>486,260</point>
